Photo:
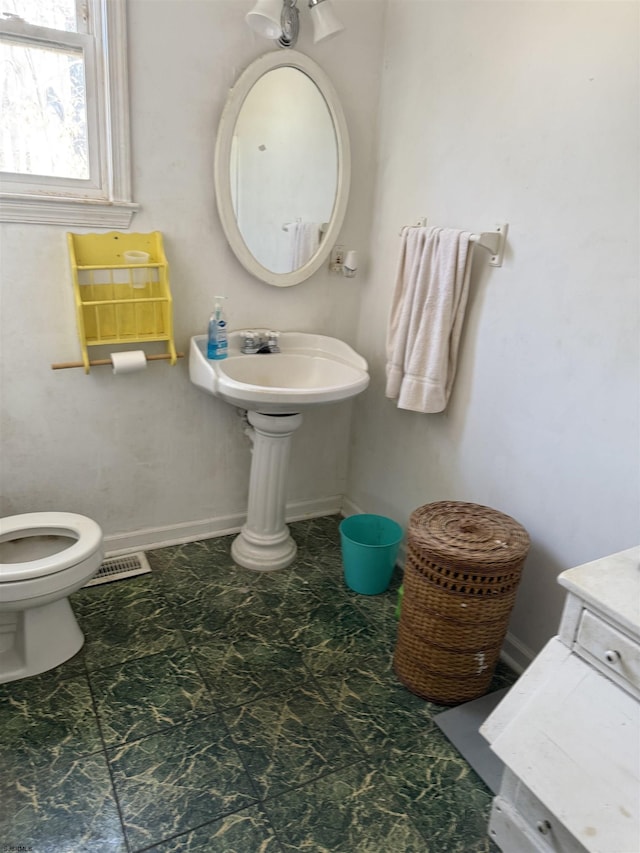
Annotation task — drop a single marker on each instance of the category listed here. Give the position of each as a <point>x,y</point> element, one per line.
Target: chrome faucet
<point>258,343</point>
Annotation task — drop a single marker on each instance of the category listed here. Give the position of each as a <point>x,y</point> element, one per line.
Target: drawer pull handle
<point>543,827</point>
<point>612,656</point>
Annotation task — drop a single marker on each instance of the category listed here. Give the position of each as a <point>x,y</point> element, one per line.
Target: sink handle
<point>272,341</point>
<point>250,341</point>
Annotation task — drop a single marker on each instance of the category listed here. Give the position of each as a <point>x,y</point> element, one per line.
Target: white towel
<point>427,313</point>
<point>306,240</point>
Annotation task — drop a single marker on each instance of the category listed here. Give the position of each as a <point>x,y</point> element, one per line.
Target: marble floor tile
<point>289,739</point>
<point>235,610</point>
<point>198,564</point>
<point>177,780</point>
<point>63,809</point>
<point>208,557</point>
<point>318,566</point>
<point>149,694</point>
<point>45,720</point>
<point>333,636</point>
<point>242,669</point>
<point>444,797</point>
<point>317,536</point>
<point>246,831</point>
<point>380,610</point>
<point>348,811</point>
<point>382,714</point>
<point>125,620</point>
<point>300,588</point>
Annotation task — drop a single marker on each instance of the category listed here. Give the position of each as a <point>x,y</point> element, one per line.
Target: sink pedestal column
<point>264,543</point>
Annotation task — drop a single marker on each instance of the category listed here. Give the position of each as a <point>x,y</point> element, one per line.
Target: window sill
<point>58,210</point>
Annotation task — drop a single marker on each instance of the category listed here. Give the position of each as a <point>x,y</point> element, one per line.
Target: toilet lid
<point>86,533</point>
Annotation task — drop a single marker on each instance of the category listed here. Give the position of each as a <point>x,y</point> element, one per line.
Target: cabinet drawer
<point>543,824</point>
<point>615,652</point>
<point>510,833</point>
<point>524,825</point>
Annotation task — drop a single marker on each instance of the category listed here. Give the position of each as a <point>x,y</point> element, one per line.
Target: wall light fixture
<point>279,20</point>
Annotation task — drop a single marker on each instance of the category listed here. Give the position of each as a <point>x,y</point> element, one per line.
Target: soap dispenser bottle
<point>217,343</point>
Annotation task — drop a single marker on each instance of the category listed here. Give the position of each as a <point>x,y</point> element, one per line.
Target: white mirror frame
<point>222,174</point>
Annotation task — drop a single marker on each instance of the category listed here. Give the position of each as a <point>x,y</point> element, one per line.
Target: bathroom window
<point>64,135</point>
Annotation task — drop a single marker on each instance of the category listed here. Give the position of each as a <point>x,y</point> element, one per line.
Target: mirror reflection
<point>283,169</point>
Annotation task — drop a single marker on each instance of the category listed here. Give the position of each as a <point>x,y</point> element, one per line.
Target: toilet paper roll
<point>128,362</point>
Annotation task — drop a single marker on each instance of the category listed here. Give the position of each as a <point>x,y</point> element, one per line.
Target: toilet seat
<point>85,531</point>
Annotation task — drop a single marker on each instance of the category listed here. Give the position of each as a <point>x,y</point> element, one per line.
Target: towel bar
<point>493,241</point>
<point>286,225</point>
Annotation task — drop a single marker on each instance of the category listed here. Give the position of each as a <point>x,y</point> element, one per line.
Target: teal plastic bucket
<point>369,549</point>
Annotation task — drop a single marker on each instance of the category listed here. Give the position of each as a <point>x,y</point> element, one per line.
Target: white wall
<point>149,451</point>
<point>525,112</point>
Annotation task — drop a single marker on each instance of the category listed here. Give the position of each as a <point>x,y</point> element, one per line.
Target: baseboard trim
<point>515,654</point>
<point>149,538</point>
<point>349,508</point>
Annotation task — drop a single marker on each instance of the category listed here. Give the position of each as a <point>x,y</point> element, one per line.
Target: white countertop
<point>611,585</point>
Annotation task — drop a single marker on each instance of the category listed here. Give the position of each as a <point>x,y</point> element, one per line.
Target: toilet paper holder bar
<point>99,362</point>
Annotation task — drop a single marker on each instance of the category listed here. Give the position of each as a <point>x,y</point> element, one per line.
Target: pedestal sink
<point>275,388</point>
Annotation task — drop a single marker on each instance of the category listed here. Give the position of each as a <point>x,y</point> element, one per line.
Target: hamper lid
<point>468,534</point>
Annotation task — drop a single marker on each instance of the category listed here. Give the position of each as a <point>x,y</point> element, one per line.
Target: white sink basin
<point>309,370</point>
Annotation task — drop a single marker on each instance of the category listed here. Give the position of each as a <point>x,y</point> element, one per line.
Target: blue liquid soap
<point>217,342</point>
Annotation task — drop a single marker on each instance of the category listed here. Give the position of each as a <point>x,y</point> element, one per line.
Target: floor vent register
<point>117,568</point>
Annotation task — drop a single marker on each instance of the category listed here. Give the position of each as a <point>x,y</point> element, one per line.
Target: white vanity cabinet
<point>568,732</point>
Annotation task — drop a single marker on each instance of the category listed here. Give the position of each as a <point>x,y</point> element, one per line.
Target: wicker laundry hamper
<point>463,567</point>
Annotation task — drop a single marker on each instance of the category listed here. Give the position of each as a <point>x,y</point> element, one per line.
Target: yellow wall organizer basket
<point>118,301</point>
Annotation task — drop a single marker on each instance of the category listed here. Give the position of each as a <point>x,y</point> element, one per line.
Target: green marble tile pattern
<point>64,809</point>
<point>246,831</point>
<point>444,798</point>
<point>288,739</point>
<point>147,695</point>
<point>177,780</point>
<point>335,635</point>
<point>241,669</point>
<point>235,610</point>
<point>125,620</point>
<point>349,810</point>
<point>383,715</point>
<point>45,720</point>
<point>318,536</point>
<point>215,710</point>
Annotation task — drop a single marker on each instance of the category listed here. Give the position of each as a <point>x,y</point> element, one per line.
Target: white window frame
<point>105,198</point>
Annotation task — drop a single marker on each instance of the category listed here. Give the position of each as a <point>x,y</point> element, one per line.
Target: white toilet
<point>44,557</point>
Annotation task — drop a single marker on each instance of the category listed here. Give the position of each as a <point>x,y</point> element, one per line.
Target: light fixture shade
<point>264,18</point>
<point>325,20</point>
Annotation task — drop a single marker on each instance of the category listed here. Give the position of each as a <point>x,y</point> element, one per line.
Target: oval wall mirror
<point>282,168</point>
